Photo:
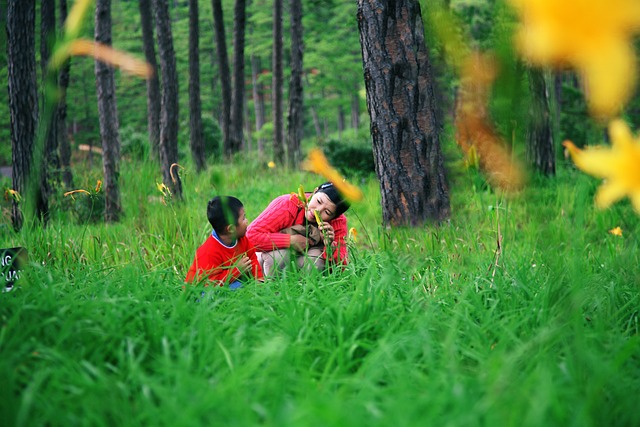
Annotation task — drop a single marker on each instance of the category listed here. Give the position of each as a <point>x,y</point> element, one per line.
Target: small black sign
<point>12,262</point>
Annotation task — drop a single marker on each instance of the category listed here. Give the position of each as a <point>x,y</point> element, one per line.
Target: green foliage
<point>351,157</point>
<point>134,144</point>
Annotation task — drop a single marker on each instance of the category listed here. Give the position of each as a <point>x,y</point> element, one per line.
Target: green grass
<point>425,327</point>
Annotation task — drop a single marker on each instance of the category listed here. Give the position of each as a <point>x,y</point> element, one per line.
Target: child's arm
<point>264,231</point>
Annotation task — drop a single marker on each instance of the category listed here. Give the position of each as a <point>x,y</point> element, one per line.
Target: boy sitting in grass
<point>227,255</point>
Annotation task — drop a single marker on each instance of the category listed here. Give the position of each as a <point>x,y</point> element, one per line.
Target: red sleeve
<point>339,245</point>
<point>256,268</point>
<point>264,231</point>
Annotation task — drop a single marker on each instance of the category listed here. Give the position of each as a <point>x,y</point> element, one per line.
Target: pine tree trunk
<point>258,99</point>
<point>296,107</point>
<point>540,153</point>
<point>47,37</point>
<point>63,136</point>
<point>225,79</point>
<point>169,109</point>
<point>195,104</point>
<point>400,100</point>
<point>154,99</point>
<point>277,82</point>
<point>108,116</point>
<point>237,96</point>
<point>23,97</point>
<point>355,111</point>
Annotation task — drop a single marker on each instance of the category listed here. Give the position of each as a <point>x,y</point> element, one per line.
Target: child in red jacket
<point>227,256</point>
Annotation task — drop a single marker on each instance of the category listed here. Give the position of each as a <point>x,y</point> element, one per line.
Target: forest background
<point>521,309</point>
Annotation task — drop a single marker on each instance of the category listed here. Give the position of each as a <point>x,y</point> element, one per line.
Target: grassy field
<point>430,326</point>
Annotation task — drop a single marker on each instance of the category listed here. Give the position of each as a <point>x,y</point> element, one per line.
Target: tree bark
<point>237,97</point>
<point>400,100</point>
<point>276,86</point>
<point>195,104</point>
<point>47,38</point>
<point>258,99</point>
<point>153,83</point>
<point>225,79</point>
<point>296,106</point>
<point>62,134</point>
<point>540,154</point>
<point>169,108</point>
<point>23,99</point>
<point>108,116</point>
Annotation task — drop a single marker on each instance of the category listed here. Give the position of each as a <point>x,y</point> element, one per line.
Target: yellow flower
<point>317,163</point>
<point>302,196</point>
<point>271,164</point>
<point>103,53</point>
<point>98,186</point>
<point>616,231</point>
<point>592,36</point>
<point>12,194</point>
<point>317,215</point>
<point>71,193</point>
<point>166,192</point>
<point>475,133</point>
<point>618,164</point>
<point>353,234</point>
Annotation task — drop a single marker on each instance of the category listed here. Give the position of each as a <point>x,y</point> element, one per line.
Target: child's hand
<point>244,264</point>
<point>327,233</point>
<point>299,243</point>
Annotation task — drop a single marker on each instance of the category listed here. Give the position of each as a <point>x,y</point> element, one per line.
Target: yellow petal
<point>110,56</point>
<point>617,231</point>
<point>609,193</point>
<point>597,161</point>
<point>635,201</point>
<point>621,136</point>
<point>318,163</point>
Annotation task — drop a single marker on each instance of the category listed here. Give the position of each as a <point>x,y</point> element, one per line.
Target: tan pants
<point>280,259</point>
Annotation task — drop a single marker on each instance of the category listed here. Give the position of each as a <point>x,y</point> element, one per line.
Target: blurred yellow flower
<point>103,53</point>
<point>318,163</point>
<point>71,193</point>
<point>166,192</point>
<point>12,194</point>
<point>475,133</point>
<point>616,231</point>
<point>353,234</point>
<point>618,164</point>
<point>302,196</point>
<point>271,164</point>
<point>98,186</point>
<point>592,36</point>
<point>317,215</point>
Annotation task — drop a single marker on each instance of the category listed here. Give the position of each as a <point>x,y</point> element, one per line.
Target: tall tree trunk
<point>153,83</point>
<point>400,100</point>
<point>355,111</point>
<point>316,122</point>
<point>276,86</point>
<point>540,154</point>
<point>237,97</point>
<point>195,105</point>
<point>63,135</point>
<point>296,107</point>
<point>47,38</point>
<point>340,121</point>
<point>169,111</point>
<point>23,100</point>
<point>225,79</point>
<point>258,99</point>
<point>108,116</point>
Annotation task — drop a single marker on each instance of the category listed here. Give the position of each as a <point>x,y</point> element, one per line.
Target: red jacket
<point>286,211</point>
<point>215,260</point>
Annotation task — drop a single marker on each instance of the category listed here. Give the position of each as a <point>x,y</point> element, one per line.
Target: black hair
<point>223,211</point>
<point>341,203</point>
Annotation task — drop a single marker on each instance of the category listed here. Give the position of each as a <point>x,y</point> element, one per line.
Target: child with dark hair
<point>227,256</point>
<point>314,243</point>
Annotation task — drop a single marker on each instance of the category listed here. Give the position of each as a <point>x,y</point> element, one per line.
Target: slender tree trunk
<point>47,38</point>
<point>355,111</point>
<point>108,116</point>
<point>400,100</point>
<point>169,109</point>
<point>237,97</point>
<point>276,86</point>
<point>258,99</point>
<point>540,153</point>
<point>296,107</point>
<point>247,127</point>
<point>195,104</point>
<point>154,99</point>
<point>341,121</point>
<point>316,122</point>
<point>63,135</point>
<point>23,98</point>
<point>225,80</point>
